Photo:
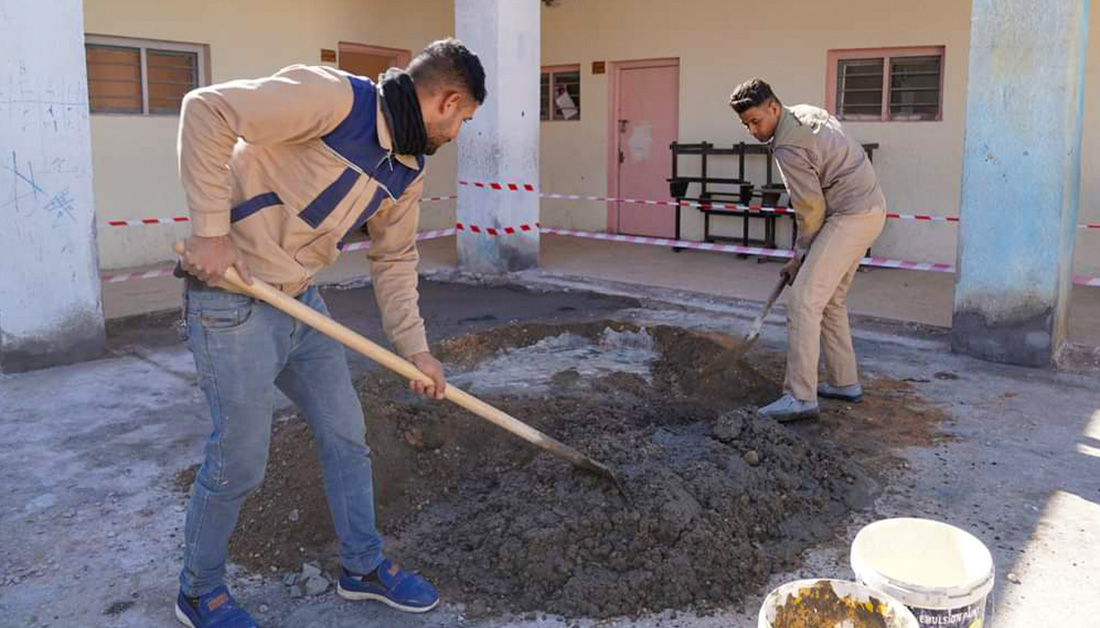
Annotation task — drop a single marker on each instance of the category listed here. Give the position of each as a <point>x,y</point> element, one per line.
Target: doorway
<point>370,61</point>
<point>643,121</point>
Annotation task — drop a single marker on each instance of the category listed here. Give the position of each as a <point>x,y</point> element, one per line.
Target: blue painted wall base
<point>1021,179</point>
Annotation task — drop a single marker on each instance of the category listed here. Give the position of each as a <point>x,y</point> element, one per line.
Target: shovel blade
<point>602,471</point>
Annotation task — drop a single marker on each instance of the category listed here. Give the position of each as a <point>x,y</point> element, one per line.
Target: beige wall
<point>134,156</point>
<point>720,43</point>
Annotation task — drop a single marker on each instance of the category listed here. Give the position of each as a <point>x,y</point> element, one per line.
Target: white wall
<point>135,157</point>
<point>501,143</point>
<point>50,309</point>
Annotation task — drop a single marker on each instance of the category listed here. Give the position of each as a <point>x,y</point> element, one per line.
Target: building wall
<point>1087,251</point>
<point>50,310</point>
<point>720,43</point>
<point>135,156</point>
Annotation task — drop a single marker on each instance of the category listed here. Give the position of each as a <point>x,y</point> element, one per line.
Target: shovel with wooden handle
<point>265,292</point>
<point>758,322</point>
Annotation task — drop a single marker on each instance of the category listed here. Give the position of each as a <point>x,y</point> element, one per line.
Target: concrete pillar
<point>501,144</point>
<point>50,308</point>
<point>1021,170</point>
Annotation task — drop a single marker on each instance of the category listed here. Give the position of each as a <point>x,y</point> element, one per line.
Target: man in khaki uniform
<point>277,172</point>
<point>840,210</point>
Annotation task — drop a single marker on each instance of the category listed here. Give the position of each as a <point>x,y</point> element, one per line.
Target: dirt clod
<point>728,428</point>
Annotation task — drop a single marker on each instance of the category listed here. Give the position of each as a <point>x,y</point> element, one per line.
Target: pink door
<point>645,123</point>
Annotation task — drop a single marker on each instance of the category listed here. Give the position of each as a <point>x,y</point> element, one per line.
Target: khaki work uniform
<point>290,165</point>
<point>840,210</point>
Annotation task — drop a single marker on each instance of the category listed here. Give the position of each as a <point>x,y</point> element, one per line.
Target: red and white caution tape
<point>637,201</point>
<point>527,187</point>
<point>735,207</point>
<point>167,271</point>
<point>164,271</point>
<point>171,220</point>
<point>697,204</point>
<point>147,221</point>
<point>423,235</point>
<point>744,250</point>
<point>500,187</point>
<point>730,206</point>
<point>668,242</point>
<point>924,217</point>
<point>496,231</point>
<point>878,262</point>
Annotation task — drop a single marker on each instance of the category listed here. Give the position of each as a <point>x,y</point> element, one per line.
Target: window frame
<point>832,79</point>
<point>202,67</point>
<point>553,70</point>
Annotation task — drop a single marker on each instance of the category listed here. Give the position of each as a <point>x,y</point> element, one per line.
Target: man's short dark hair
<point>752,93</point>
<point>449,64</point>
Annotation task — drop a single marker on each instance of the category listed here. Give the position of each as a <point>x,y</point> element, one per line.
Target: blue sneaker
<point>391,585</point>
<point>216,609</point>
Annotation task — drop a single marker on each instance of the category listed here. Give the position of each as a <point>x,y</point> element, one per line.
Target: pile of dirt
<point>717,500</point>
<point>714,506</point>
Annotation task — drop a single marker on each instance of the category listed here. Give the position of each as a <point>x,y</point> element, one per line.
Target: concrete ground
<point>91,521</point>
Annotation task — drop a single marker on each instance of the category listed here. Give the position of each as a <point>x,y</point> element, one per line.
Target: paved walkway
<point>900,295</point>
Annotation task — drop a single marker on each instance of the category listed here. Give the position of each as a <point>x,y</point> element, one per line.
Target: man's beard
<point>437,137</point>
<point>435,141</point>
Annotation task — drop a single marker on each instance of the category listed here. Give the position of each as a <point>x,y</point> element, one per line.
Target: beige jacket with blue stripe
<point>288,166</point>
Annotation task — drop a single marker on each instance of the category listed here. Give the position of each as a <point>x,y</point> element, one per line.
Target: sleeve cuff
<point>411,343</point>
<point>210,224</point>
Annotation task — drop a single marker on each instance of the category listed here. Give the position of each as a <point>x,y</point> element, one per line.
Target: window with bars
<point>887,84</point>
<point>141,77</point>
<point>560,93</point>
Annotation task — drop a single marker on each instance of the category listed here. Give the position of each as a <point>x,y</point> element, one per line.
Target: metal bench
<point>733,190</point>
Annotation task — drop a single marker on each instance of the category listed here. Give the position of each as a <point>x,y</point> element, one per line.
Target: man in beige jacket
<point>277,171</point>
<point>840,210</point>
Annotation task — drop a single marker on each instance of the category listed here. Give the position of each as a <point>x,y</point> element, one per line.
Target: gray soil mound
<point>714,507</point>
<point>717,500</point>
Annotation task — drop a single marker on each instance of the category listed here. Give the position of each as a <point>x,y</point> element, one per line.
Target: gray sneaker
<point>787,408</point>
<point>851,394</point>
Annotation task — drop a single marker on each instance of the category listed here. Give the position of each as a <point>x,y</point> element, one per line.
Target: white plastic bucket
<point>943,574</point>
<point>893,612</point>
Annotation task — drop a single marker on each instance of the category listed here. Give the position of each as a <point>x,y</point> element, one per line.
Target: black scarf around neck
<point>401,107</point>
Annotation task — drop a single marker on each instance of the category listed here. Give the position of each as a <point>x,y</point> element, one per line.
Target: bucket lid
<point>922,562</point>
<point>897,615</point>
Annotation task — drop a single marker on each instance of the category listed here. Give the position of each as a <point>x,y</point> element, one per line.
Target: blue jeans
<point>243,350</point>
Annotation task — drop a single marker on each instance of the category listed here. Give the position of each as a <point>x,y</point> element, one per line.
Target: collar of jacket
<point>786,120</point>
<point>385,138</point>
